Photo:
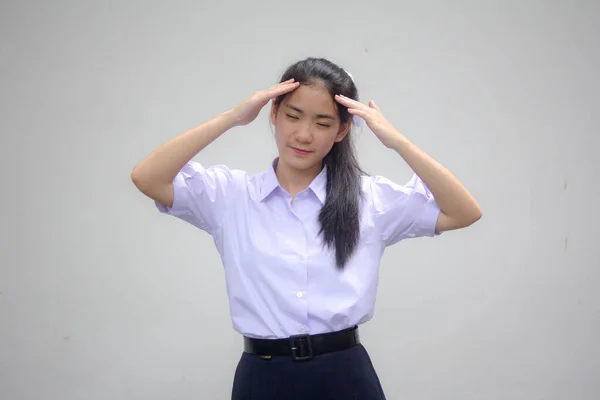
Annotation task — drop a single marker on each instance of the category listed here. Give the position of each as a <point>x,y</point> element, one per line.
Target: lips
<point>300,151</point>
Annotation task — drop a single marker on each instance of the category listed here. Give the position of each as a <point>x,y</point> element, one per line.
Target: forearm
<point>450,194</point>
<point>163,164</point>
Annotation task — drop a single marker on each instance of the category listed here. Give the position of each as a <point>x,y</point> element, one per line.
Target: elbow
<point>135,176</point>
<point>468,217</point>
<point>450,222</point>
<point>474,216</point>
<point>138,179</point>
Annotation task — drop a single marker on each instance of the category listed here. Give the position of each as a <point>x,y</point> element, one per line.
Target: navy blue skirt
<point>347,375</point>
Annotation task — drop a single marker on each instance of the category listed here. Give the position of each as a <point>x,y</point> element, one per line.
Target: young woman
<point>301,243</point>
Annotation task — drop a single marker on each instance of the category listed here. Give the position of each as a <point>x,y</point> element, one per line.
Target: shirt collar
<point>270,183</point>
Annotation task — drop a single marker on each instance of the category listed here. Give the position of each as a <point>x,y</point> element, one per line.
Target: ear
<point>344,129</point>
<point>273,113</point>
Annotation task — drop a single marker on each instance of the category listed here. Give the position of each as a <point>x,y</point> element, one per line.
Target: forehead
<point>312,99</point>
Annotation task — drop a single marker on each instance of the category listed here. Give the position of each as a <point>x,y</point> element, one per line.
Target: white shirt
<point>280,279</point>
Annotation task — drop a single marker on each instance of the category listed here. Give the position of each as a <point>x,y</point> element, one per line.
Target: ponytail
<point>339,217</point>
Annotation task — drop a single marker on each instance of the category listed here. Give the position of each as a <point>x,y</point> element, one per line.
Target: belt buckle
<point>301,346</point>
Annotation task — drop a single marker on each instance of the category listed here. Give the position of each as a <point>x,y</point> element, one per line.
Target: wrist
<point>399,143</point>
<point>227,120</point>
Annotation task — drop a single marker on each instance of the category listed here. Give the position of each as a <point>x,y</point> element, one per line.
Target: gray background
<point>103,298</point>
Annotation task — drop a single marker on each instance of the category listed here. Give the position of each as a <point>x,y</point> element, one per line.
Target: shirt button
<point>303,329</point>
<point>299,295</point>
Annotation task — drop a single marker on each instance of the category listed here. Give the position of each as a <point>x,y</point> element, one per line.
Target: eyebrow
<point>302,112</point>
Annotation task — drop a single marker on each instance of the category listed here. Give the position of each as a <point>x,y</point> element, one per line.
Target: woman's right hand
<point>248,110</point>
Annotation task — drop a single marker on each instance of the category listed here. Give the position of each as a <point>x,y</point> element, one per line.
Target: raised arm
<point>154,175</point>
<point>458,207</point>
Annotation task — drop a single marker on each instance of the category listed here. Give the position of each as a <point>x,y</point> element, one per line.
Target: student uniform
<point>297,312</point>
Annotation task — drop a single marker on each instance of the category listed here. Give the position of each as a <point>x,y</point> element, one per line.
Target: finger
<point>288,87</point>
<point>373,105</point>
<point>285,87</point>
<point>361,113</point>
<point>349,102</point>
<point>281,89</point>
<point>283,84</point>
<point>280,85</point>
<point>286,83</point>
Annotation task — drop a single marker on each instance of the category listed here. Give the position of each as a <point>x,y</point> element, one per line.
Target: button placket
<point>300,244</point>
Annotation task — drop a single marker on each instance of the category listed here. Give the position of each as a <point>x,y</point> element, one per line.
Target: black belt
<point>303,347</point>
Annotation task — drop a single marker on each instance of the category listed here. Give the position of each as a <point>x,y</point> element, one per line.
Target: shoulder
<point>237,185</point>
<point>217,173</point>
<point>379,187</point>
<point>390,198</point>
<point>401,211</point>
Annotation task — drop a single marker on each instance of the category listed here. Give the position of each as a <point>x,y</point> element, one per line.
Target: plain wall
<point>101,297</point>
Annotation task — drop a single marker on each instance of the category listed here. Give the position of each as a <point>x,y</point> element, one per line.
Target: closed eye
<point>297,118</point>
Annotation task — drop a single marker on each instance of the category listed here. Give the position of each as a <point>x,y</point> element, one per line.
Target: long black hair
<point>339,217</point>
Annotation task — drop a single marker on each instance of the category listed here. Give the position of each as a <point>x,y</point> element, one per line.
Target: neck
<point>293,180</point>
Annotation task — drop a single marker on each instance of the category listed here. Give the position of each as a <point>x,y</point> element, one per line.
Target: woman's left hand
<point>375,120</point>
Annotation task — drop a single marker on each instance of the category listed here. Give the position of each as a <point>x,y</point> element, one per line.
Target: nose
<point>304,134</point>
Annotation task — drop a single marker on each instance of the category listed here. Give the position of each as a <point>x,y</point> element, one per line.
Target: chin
<point>298,162</point>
